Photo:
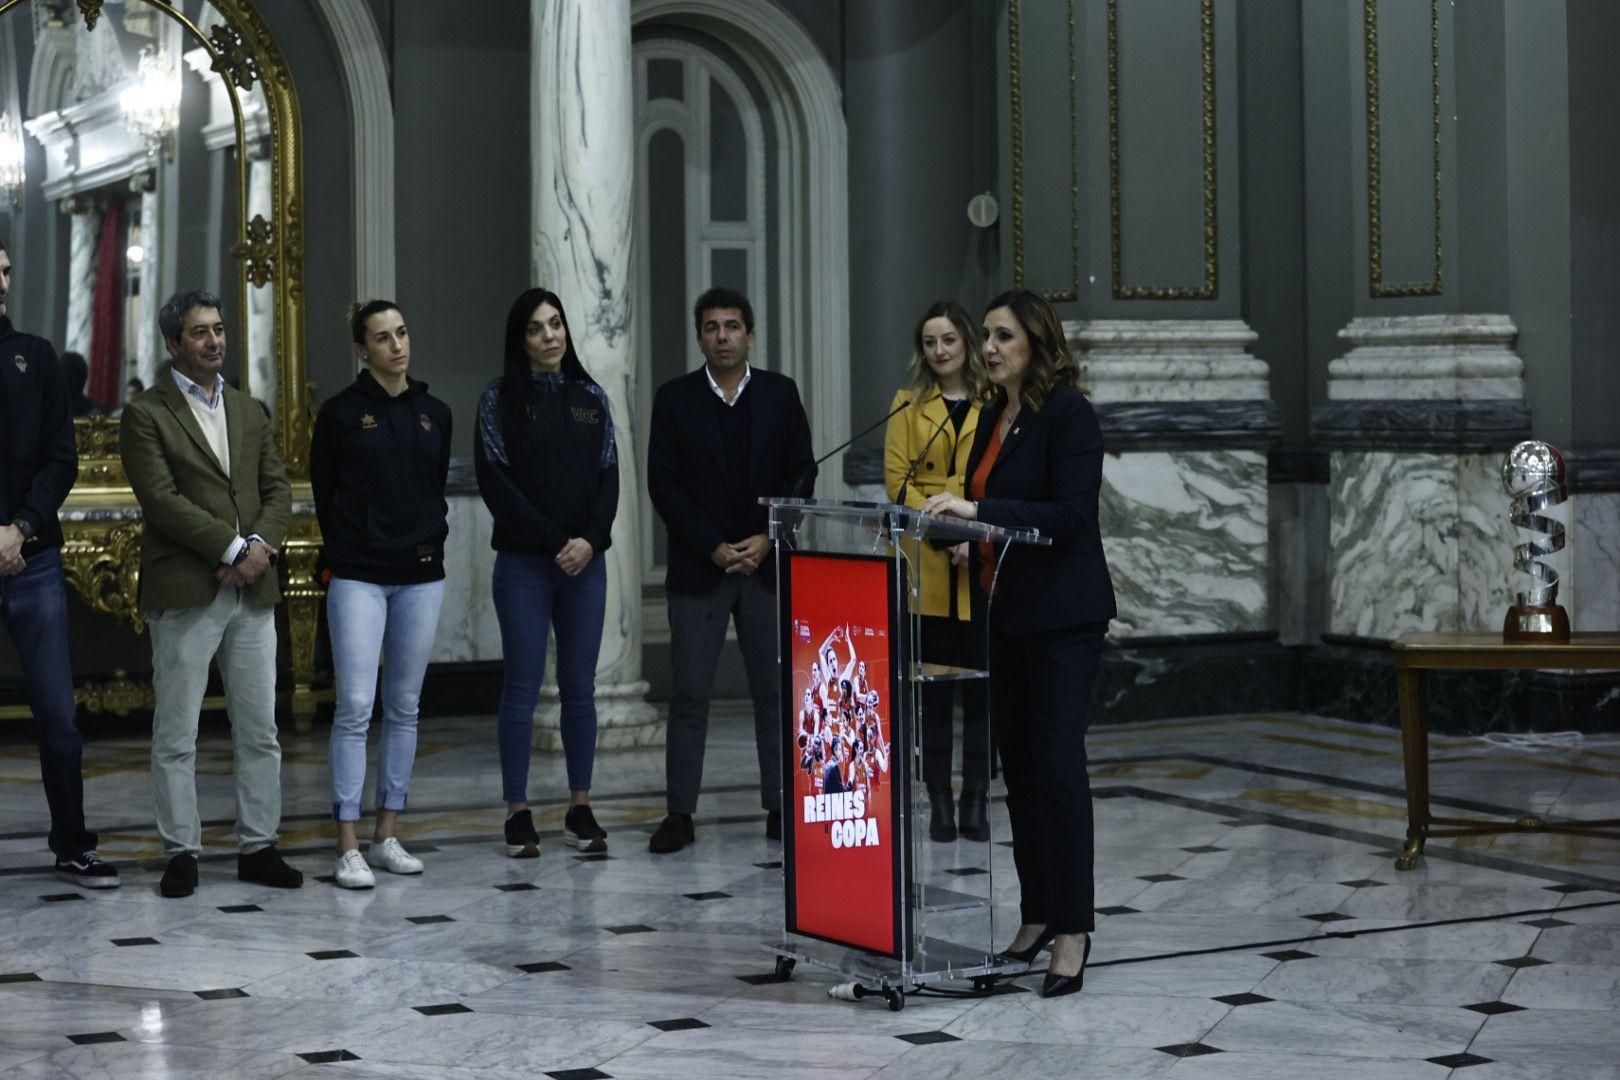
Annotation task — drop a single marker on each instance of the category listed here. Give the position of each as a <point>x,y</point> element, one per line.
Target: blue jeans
<point>33,606</point>
<point>532,596</point>
<point>393,625</point>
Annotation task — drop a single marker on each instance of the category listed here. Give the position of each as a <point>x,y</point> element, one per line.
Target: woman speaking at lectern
<point>1037,463</point>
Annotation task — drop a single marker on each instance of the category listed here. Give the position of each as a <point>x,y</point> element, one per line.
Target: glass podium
<point>867,892</point>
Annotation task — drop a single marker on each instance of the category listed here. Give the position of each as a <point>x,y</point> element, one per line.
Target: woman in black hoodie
<point>548,470</point>
<point>378,466</point>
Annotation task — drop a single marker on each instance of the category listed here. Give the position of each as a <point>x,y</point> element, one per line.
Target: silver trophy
<point>1535,476</point>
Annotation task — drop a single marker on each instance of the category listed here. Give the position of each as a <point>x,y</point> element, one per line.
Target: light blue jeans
<point>370,624</point>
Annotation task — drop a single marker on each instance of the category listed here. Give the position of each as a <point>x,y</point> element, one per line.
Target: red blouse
<point>976,482</point>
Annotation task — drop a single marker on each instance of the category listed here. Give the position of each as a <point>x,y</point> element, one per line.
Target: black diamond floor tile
<point>1118,909</point>
<point>1459,1061</point>
<point>544,966</point>
<point>1158,878</point>
<point>1203,849</point>
<point>60,897</point>
<point>1289,954</point>
<point>125,942</point>
<point>1186,1050</point>
<point>220,995</point>
<point>925,1038</point>
<point>328,879</point>
<point>684,1023</point>
<point>1364,883</point>
<point>967,871</point>
<point>1004,843</point>
<point>1547,923</point>
<point>518,886</point>
<point>774,864</point>
<point>1328,916</point>
<point>326,1057</point>
<point>91,1037</point>
<point>332,954</point>
<point>20,977</point>
<point>428,920</point>
<point>240,909</point>
<point>629,928</point>
<point>1494,1008</point>
<point>1523,962</point>
<point>1109,793</point>
<point>450,1009</point>
<point>707,895</point>
<point>1569,889</point>
<point>579,1074</point>
<point>764,979</point>
<point>1243,999</point>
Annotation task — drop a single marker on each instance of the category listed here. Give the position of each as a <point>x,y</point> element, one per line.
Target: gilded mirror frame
<point>101,522</point>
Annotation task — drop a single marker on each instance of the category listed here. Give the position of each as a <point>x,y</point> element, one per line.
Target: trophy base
<point>1548,623</point>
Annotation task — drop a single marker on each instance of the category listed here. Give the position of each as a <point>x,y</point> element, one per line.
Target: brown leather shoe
<point>674,833</point>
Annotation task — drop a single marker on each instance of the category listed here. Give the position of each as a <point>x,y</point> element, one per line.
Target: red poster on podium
<point>843,755</point>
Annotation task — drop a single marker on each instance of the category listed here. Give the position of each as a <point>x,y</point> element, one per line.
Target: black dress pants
<point>960,643</point>
<point>1041,703</point>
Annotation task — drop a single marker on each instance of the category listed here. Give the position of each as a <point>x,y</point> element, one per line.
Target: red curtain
<point>107,312</point>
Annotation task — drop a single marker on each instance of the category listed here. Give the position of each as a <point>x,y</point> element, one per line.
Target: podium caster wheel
<point>984,984</point>
<point>896,999</point>
<point>784,968</point>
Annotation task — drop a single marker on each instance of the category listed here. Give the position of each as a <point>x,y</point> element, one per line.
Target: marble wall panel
<point>1486,579</point>
<point>1594,603</point>
<point>1299,531</point>
<point>1186,537</point>
<point>467,627</point>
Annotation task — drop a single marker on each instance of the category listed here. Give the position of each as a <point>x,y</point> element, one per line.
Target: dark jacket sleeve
<point>275,492</point>
<point>1074,466</point>
<point>447,426</point>
<point>508,505</point>
<point>686,521</point>
<point>801,457</point>
<point>323,467</point>
<point>58,455</point>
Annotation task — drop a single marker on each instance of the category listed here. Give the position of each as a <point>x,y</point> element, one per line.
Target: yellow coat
<point>908,431</point>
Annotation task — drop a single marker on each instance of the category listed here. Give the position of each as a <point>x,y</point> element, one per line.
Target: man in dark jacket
<point>722,437</point>
<point>38,464</point>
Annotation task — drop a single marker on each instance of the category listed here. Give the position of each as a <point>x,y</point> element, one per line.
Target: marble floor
<point>1251,925</point>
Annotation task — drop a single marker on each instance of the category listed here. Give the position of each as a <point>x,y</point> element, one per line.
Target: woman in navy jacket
<point>548,470</point>
<point>1037,463</point>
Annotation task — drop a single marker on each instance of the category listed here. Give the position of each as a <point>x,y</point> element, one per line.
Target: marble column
<point>1419,414</point>
<point>1186,416</point>
<point>86,232</point>
<point>582,118</point>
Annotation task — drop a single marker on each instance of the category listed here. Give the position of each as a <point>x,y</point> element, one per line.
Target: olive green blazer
<point>191,508</point>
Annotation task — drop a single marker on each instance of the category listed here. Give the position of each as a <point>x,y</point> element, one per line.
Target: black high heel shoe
<point>1058,985</point>
<point>1027,956</point>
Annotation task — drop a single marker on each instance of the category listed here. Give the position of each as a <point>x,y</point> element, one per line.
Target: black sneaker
<point>522,842</point>
<point>89,870</point>
<point>581,830</point>
<point>179,877</point>
<point>673,833</point>
<point>773,824</point>
<point>267,867</point>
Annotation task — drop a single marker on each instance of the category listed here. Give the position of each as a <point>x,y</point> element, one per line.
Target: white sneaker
<point>351,872</point>
<point>391,856</point>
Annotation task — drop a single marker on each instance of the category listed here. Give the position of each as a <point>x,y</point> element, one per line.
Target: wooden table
<point>1416,654</point>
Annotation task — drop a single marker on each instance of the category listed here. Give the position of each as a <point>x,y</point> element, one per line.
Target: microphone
<point>950,411</point>
<point>799,483</point>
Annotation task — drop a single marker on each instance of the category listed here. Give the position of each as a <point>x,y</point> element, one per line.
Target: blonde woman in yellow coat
<point>925,451</point>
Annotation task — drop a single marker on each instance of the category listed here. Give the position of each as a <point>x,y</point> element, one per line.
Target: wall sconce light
<point>12,160</point>
<point>152,105</point>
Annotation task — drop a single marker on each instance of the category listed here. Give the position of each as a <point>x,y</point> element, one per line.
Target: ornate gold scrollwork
<point>120,697</point>
<point>303,594</point>
<point>91,10</point>
<point>102,562</point>
<point>100,464</point>
<point>258,251</point>
<point>1378,288</point>
<point>235,60</point>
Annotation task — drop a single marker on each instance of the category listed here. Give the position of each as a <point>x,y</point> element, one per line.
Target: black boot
<point>942,824</point>
<point>974,824</point>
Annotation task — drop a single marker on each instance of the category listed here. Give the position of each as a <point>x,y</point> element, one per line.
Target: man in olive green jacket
<point>202,459</point>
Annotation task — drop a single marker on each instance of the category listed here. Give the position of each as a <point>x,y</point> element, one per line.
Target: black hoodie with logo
<point>378,467</point>
<point>38,459</point>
